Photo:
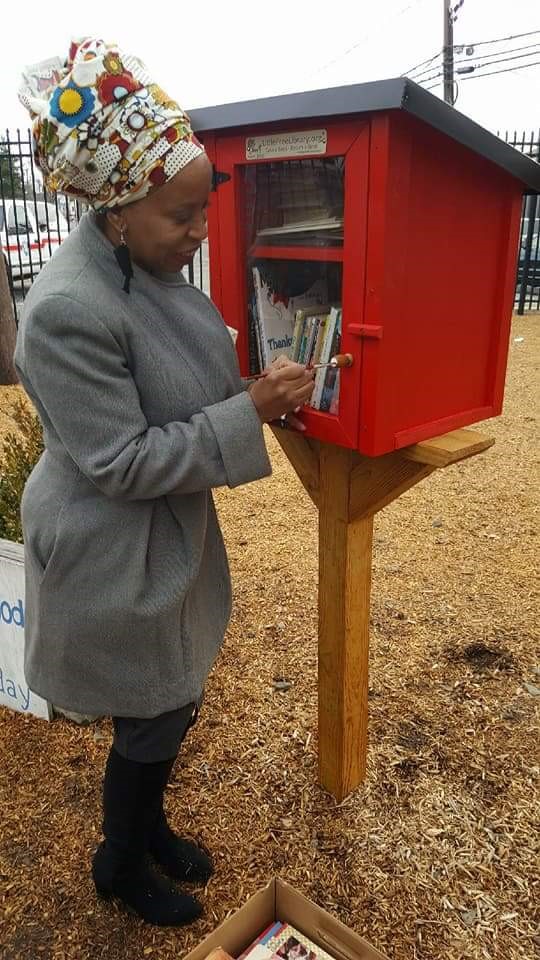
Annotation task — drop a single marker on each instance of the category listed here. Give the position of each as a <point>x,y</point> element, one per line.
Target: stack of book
<point>273,316</point>
<point>303,327</point>
<point>300,202</point>
<point>316,339</point>
<point>281,941</point>
<point>323,231</point>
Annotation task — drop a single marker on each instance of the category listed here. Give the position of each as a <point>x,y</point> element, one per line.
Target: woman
<point>136,382</point>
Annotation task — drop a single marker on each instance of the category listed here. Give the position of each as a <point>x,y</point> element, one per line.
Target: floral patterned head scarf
<point>103,130</point>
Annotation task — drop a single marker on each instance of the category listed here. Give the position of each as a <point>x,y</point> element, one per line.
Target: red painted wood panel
<point>429,262</point>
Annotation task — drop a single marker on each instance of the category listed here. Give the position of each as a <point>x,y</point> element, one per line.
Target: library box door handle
<point>365,330</point>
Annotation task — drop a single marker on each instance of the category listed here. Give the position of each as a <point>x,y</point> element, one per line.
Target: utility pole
<point>448,52</point>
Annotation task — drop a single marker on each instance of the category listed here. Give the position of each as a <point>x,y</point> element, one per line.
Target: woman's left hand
<point>290,419</point>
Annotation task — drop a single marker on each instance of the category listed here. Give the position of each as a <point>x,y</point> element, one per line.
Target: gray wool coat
<point>143,409</point>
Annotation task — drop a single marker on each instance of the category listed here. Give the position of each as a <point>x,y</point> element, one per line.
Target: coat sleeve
<point>80,375</point>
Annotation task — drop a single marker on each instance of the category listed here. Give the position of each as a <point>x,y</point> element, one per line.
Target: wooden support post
<point>349,489</point>
<point>344,603</point>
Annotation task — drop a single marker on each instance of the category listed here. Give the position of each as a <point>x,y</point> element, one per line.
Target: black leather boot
<point>121,867</point>
<point>181,859</point>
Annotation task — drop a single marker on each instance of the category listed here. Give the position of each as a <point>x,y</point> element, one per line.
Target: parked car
<point>30,233</point>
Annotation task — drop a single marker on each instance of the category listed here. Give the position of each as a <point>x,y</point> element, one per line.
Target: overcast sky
<point>210,52</point>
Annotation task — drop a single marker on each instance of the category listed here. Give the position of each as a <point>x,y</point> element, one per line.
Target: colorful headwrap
<point>103,131</point>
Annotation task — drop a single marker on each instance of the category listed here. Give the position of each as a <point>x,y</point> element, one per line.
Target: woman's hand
<point>283,390</point>
<point>289,419</point>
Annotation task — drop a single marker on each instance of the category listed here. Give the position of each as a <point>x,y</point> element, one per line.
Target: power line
<point>480,66</point>
<point>418,76</point>
<point>428,79</point>
<point>484,56</point>
<point>425,79</point>
<point>454,11</point>
<point>438,77</point>
<point>365,38</point>
<point>459,47</point>
<point>493,73</point>
<point>515,36</point>
<point>490,63</point>
<point>429,60</point>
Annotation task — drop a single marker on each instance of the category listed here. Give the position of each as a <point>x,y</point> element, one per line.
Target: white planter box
<point>14,690</point>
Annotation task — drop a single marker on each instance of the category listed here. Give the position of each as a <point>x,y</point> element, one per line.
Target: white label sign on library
<point>293,144</point>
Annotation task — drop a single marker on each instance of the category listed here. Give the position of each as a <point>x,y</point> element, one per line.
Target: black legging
<point>156,739</point>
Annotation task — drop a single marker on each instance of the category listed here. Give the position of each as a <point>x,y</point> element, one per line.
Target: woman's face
<point>165,230</point>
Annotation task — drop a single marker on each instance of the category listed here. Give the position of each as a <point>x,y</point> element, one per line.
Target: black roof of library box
<point>397,94</point>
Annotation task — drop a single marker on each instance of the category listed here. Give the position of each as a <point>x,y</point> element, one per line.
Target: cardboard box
<point>279,901</point>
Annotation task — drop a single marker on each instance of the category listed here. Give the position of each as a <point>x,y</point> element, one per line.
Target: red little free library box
<point>407,214</point>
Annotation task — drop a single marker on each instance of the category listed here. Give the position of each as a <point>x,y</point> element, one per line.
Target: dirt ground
<point>436,855</point>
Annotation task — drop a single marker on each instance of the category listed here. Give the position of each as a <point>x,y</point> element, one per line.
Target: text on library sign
<point>286,144</point>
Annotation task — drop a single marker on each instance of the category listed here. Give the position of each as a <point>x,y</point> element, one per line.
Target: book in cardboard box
<point>280,902</point>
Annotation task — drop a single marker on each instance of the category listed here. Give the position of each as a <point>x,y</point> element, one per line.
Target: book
<point>303,341</point>
<point>299,197</point>
<point>254,337</point>
<point>303,226</point>
<point>297,335</point>
<point>274,315</point>
<point>307,332</point>
<point>219,954</point>
<point>290,944</point>
<point>274,318</point>
<point>258,949</point>
<point>334,401</point>
<point>325,355</point>
<point>323,320</point>
<point>330,386</point>
<point>282,941</point>
<point>312,326</point>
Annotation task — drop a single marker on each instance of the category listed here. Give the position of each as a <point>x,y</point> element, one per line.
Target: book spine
<point>259,340</point>
<point>257,283</point>
<point>271,930</point>
<point>318,349</point>
<point>324,358</point>
<point>297,335</point>
<point>304,341</point>
<point>252,339</point>
<point>332,376</point>
<point>289,937</point>
<point>320,337</point>
<point>313,327</point>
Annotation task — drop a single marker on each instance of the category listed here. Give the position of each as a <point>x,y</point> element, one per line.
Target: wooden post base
<point>349,489</point>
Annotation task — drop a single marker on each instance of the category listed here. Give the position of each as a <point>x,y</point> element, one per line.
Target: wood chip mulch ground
<point>436,856</point>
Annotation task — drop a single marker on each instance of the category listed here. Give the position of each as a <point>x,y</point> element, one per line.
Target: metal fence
<point>528,271</point>
<point>33,223</point>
